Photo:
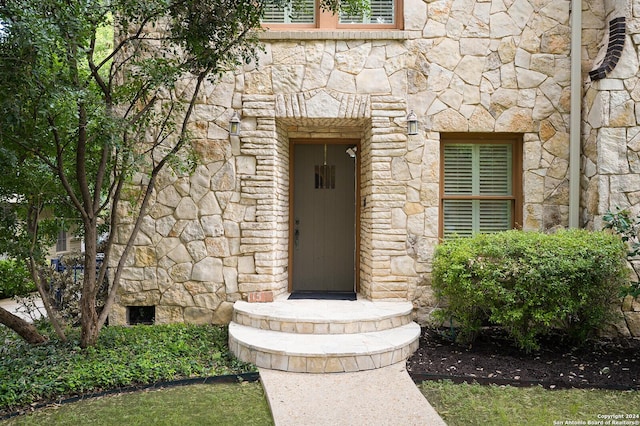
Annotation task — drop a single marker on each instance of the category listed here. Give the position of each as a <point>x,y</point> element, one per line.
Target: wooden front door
<point>324,218</point>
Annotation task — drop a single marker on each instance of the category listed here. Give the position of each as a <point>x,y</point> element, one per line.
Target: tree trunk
<point>25,329</point>
<point>89,316</point>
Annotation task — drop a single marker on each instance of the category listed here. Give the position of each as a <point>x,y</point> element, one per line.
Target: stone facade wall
<point>611,128</point>
<point>465,66</point>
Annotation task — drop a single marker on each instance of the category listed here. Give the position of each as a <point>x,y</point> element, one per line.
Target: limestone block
<point>556,40</point>
<point>515,119</point>
<point>481,120</point>
<point>246,265</point>
<point>502,25</point>
<point>208,205</point>
<point>287,78</point>
<point>445,53</point>
<point>169,197</point>
<point>528,78</point>
<point>373,81</point>
<point>415,20</point>
<point>246,165</point>
<point>223,313</point>
<point>449,121</point>
<point>633,322</point>
<point>474,46</point>
<point>214,148</point>
<point>197,250</point>
<point>156,211</point>
<point>164,225</point>
<point>622,110</point>
<point>230,275</point>
<point>208,269</point>
<point>258,82</point>
<point>521,11</point>
<point>534,187</point>
<point>507,50</point>
<point>186,209</point>
<point>352,60</point>
<point>199,316</point>
<point>224,179</point>
<point>415,224</point>
<point>176,295</point>
<point>179,254</point>
<point>610,143</point>
<point>166,245</point>
<point>180,272</point>
<point>200,287</point>
<point>400,169</point>
<point>210,301</point>
<point>191,232</point>
<point>403,265</point>
<point>470,69</point>
<point>212,226</point>
<point>341,82</point>
<point>169,314</point>
<point>217,246</point>
<point>439,78</point>
<point>145,256</point>
<point>234,212</point>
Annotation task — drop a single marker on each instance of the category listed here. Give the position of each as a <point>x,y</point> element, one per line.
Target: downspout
<point>576,114</point>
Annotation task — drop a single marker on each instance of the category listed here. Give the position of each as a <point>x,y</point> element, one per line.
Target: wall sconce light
<point>234,124</point>
<point>412,123</point>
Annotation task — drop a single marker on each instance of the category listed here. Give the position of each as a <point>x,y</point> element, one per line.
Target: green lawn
<point>506,405</point>
<point>217,404</point>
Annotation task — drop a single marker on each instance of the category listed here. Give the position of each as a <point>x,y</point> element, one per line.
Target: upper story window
<point>383,14</point>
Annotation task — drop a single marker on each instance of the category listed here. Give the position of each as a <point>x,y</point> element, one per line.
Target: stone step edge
<point>403,341</point>
<point>314,324</point>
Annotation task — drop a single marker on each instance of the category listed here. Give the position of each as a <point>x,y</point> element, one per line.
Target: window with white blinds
<point>478,188</point>
<point>304,14</point>
<point>381,12</point>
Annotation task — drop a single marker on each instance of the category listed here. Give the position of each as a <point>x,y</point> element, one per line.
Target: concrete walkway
<point>19,310</point>
<point>384,396</point>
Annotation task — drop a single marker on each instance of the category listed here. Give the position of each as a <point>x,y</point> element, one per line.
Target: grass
<point>219,404</point>
<point>474,404</point>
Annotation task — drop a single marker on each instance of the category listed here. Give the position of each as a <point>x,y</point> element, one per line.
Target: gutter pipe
<point>575,114</point>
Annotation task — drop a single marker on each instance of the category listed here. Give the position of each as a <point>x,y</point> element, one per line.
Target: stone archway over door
<point>324,217</point>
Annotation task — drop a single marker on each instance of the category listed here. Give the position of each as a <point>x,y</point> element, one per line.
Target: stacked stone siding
<point>463,66</point>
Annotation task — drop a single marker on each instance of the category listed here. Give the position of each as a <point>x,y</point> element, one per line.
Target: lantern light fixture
<point>234,124</point>
<point>412,123</point>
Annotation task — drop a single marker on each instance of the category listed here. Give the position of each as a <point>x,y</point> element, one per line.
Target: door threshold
<point>323,295</point>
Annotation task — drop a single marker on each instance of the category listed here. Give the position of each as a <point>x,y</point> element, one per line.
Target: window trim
<point>326,20</point>
<point>516,198</point>
<point>62,242</point>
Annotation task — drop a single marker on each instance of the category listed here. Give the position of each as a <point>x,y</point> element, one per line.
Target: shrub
<point>124,356</point>
<point>628,228</point>
<point>530,283</point>
<point>15,280</point>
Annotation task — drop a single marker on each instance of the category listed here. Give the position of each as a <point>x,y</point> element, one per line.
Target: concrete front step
<point>323,316</point>
<point>323,336</point>
<point>323,353</point>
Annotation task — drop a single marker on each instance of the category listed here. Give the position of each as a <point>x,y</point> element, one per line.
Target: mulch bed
<point>493,358</point>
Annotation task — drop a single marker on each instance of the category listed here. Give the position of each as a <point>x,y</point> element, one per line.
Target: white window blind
<point>382,12</point>
<point>305,14</point>
<point>476,176</point>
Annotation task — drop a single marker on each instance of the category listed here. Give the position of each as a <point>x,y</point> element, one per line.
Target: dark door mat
<point>323,295</point>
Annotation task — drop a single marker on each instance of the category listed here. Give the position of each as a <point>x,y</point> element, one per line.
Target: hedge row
<point>530,283</point>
